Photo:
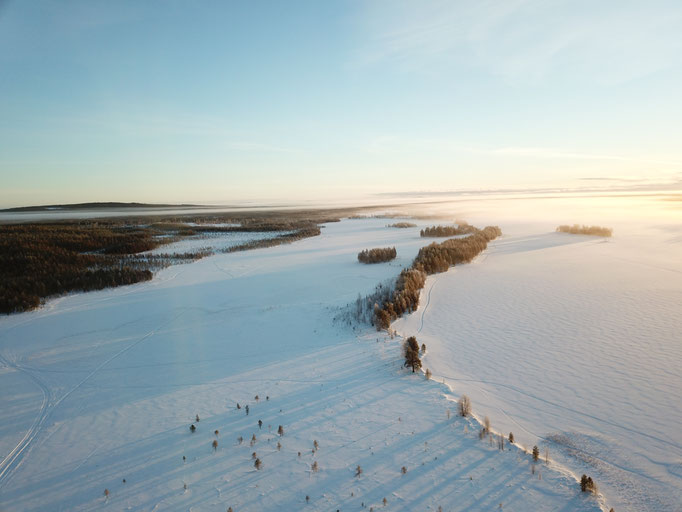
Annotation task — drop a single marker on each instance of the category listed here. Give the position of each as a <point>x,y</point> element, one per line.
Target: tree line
<point>377,255</point>
<point>46,259</point>
<point>576,229</point>
<point>432,259</point>
<point>442,231</point>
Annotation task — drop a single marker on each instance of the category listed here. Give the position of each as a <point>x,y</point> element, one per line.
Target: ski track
<point>10,464</point>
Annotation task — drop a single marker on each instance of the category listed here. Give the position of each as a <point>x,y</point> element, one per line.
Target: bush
<point>258,464</point>
<point>464,406</point>
<point>358,470</point>
<point>378,255</point>
<point>536,453</point>
<point>511,437</point>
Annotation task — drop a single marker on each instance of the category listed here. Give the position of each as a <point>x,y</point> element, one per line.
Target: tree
<point>257,464</point>
<point>215,445</point>
<point>411,348</point>
<point>464,406</point>
<point>192,428</point>
<point>587,484</point>
<point>536,453</point>
<point>280,430</point>
<point>511,437</point>
<point>358,470</point>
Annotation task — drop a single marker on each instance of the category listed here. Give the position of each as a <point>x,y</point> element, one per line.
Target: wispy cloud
<point>527,40</point>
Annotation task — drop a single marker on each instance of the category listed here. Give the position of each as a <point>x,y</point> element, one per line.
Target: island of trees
<point>577,229</point>
<point>377,255</point>
<point>402,225</point>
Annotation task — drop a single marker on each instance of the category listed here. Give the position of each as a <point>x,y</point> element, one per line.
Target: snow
<point>575,339</point>
<point>103,386</point>
<point>214,242</point>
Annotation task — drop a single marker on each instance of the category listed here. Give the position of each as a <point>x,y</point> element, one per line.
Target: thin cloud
<point>526,40</point>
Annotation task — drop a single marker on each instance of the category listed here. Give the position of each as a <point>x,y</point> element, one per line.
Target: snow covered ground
<point>97,391</point>
<point>214,242</point>
<point>576,340</point>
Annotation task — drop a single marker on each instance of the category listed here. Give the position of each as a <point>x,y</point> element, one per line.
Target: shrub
<point>258,464</point>
<point>358,470</point>
<point>464,406</point>
<point>403,470</point>
<point>486,425</point>
<point>215,445</point>
<point>314,467</point>
<point>280,430</point>
<point>511,437</point>
<point>428,374</point>
<point>536,453</point>
<point>192,428</point>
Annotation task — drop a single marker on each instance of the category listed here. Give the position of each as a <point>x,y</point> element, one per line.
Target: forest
<point>41,260</point>
<point>576,229</point>
<point>377,255</point>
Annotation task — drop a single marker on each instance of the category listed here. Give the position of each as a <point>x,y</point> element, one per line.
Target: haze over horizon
<point>322,101</point>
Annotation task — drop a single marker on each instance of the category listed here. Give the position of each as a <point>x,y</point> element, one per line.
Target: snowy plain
<point>99,390</point>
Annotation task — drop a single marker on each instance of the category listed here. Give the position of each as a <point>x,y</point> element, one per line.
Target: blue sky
<point>231,101</point>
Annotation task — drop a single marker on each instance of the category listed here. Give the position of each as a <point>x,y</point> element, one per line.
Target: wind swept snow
<point>99,391</point>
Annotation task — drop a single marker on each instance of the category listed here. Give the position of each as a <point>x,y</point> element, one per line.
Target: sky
<point>218,101</point>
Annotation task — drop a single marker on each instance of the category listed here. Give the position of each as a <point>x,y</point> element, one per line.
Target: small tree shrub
<point>464,406</point>
<point>428,374</point>
<point>314,467</point>
<point>403,470</point>
<point>511,437</point>
<point>536,453</point>
<point>215,445</point>
<point>280,430</point>
<point>192,428</point>
<point>258,464</point>
<point>358,470</point>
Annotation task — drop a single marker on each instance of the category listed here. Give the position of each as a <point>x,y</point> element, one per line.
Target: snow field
<point>101,387</point>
